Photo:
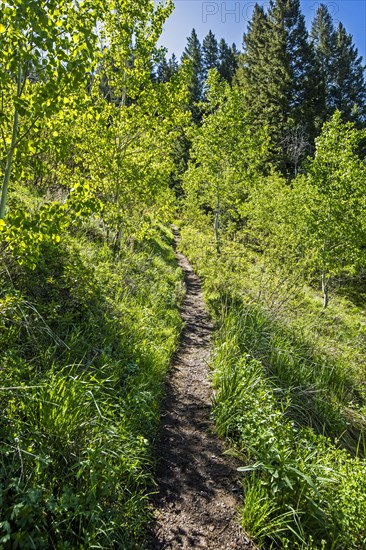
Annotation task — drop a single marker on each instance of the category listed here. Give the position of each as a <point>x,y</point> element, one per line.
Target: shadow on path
<point>199,489</point>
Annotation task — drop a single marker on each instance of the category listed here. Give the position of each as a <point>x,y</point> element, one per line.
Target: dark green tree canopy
<point>340,69</point>
<point>193,54</point>
<point>254,65</point>
<point>323,39</point>
<point>164,68</point>
<point>210,53</point>
<point>278,77</point>
<point>228,61</point>
<point>349,89</point>
<point>219,56</point>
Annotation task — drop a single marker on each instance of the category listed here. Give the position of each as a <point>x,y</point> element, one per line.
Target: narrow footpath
<point>199,490</point>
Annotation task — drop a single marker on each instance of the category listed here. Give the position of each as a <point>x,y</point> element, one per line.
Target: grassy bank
<point>289,395</point>
<point>86,339</point>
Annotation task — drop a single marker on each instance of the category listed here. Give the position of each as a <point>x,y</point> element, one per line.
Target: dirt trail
<point>198,486</point>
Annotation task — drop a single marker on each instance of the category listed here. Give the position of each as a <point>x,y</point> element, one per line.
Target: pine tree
<point>253,74</point>
<point>256,80</point>
<point>254,62</point>
<point>228,61</point>
<point>164,69</point>
<point>210,53</point>
<point>277,73</point>
<point>193,54</point>
<point>173,65</point>
<point>160,68</point>
<point>293,70</point>
<point>323,38</point>
<point>348,93</point>
<point>341,72</point>
<point>303,70</point>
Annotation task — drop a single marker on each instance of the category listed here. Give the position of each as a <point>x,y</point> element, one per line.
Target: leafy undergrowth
<point>86,338</point>
<point>289,395</point>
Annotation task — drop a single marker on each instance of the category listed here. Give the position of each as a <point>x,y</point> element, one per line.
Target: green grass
<point>289,396</point>
<point>86,340</point>
<point>260,515</point>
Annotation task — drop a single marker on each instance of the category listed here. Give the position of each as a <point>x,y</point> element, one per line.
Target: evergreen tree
<point>228,61</point>
<point>277,73</point>
<point>210,53</point>
<point>160,68</point>
<point>293,68</point>
<point>342,83</point>
<point>193,54</point>
<point>173,65</point>
<point>254,64</point>
<point>164,69</point>
<point>323,39</point>
<point>349,88</point>
<point>254,61</point>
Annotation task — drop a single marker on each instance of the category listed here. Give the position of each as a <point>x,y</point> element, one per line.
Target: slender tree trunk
<point>124,87</point>
<point>325,290</point>
<point>217,227</point>
<point>324,274</point>
<point>10,155</point>
<point>9,162</point>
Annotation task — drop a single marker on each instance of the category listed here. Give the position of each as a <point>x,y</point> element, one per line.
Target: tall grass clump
<point>290,402</point>
<point>86,338</point>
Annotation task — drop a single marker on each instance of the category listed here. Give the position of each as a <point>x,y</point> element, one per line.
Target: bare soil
<point>199,489</point>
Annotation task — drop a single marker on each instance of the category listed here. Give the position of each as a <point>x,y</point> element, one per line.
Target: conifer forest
<point>129,178</point>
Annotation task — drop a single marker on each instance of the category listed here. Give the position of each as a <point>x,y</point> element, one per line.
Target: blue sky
<point>229,19</point>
